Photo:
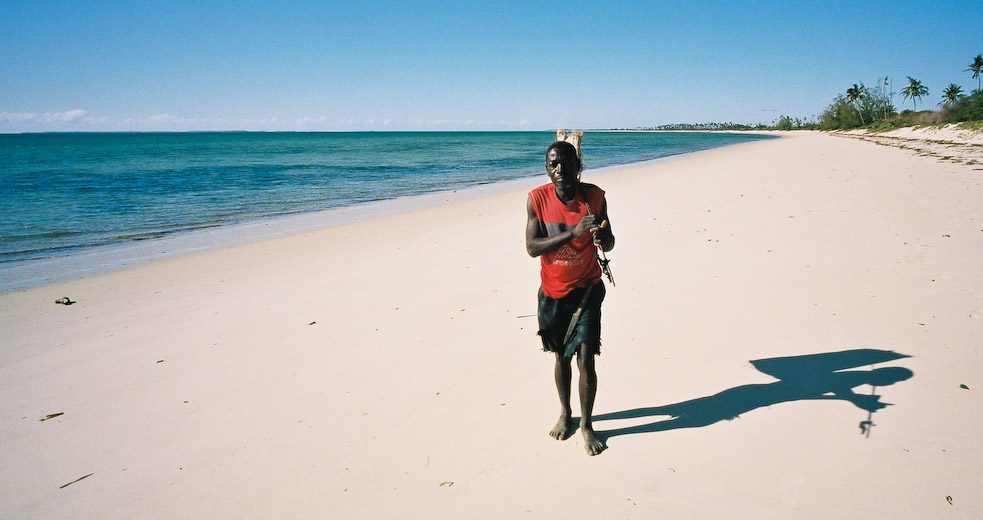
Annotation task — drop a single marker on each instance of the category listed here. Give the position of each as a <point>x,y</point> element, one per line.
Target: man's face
<point>561,166</point>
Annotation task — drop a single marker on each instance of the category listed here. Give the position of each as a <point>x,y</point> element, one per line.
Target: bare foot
<point>592,444</point>
<point>563,428</point>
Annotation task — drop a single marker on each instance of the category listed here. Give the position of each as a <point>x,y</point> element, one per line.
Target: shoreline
<point>27,274</point>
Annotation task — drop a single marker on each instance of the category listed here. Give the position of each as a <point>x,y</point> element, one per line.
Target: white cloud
<point>430,123</point>
<point>46,118</point>
<point>79,119</point>
<point>17,117</point>
<point>172,119</point>
<point>63,117</point>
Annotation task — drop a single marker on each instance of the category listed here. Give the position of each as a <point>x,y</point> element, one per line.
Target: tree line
<point>873,108</point>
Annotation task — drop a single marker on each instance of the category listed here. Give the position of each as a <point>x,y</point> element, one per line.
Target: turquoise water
<point>66,193</point>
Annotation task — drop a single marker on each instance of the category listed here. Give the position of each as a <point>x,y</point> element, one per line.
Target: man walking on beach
<point>566,223</point>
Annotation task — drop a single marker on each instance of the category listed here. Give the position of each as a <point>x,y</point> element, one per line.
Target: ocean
<point>68,194</point>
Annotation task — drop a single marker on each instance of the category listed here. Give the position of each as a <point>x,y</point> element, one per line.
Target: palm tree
<point>976,68</point>
<point>886,94</point>
<point>914,90</point>
<point>854,94</point>
<point>952,94</point>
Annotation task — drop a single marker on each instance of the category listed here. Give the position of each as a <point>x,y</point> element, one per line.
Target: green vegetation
<point>859,108</point>
<point>787,123</point>
<point>873,108</point>
<point>967,108</point>
<point>914,90</point>
<point>952,94</point>
<point>972,125</point>
<point>708,126</point>
<point>862,107</point>
<point>976,68</point>
<point>854,95</point>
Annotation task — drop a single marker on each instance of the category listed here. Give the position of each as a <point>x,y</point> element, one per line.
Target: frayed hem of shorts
<point>597,350</point>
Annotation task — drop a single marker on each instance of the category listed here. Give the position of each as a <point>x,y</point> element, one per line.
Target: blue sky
<point>338,65</point>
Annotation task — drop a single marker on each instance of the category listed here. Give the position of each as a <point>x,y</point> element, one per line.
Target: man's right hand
<point>589,223</point>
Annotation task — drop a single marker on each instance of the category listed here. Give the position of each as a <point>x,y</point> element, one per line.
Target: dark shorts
<point>555,316</point>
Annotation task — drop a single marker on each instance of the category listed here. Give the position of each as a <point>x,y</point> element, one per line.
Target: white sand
<point>389,368</point>
<point>948,142</point>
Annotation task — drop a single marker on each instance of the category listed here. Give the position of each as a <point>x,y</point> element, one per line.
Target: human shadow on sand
<point>800,378</point>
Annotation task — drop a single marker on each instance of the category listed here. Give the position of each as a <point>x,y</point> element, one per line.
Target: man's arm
<point>537,244</point>
<point>603,236</point>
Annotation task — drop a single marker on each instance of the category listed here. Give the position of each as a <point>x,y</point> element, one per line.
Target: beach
<point>389,368</point>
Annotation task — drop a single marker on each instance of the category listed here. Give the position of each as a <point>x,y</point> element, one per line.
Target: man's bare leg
<point>562,375</point>
<point>588,389</point>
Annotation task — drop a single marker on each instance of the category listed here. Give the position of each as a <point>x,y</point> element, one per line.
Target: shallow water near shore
<point>109,199</point>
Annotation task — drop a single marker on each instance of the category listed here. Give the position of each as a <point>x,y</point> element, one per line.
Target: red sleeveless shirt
<point>573,264</point>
